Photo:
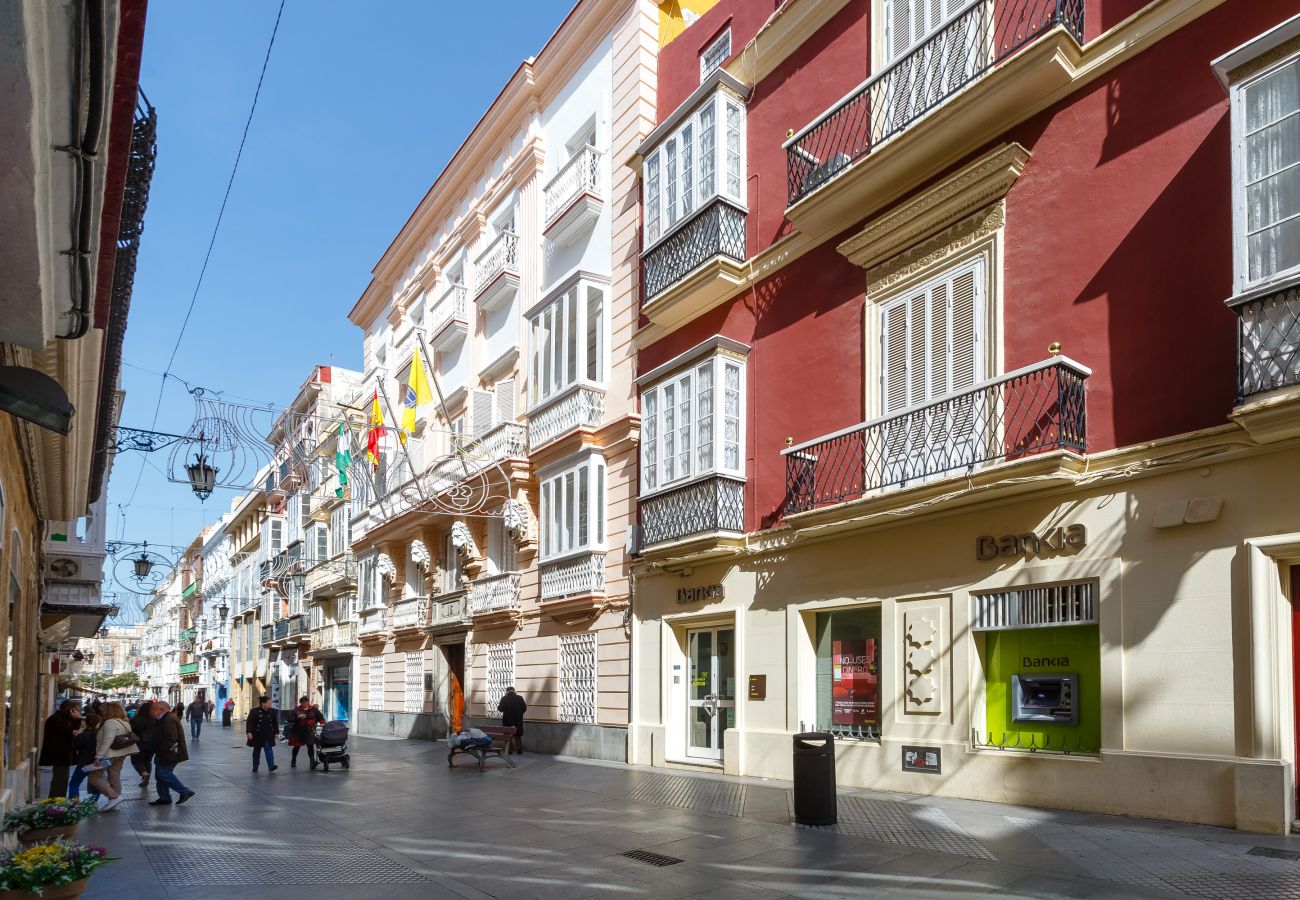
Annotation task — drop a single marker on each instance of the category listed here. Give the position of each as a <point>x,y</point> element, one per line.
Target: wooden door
<point>455,655</point>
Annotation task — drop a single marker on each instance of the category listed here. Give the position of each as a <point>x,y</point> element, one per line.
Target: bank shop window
<point>848,672</point>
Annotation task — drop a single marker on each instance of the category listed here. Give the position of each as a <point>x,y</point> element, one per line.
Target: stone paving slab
<point>401,823</point>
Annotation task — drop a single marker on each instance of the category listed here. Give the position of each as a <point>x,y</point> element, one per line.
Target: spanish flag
<point>376,429</point>
<point>417,393</point>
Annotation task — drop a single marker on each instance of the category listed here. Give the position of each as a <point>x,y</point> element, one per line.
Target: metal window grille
<point>1073,603</point>
<point>500,673</point>
<point>376,698</point>
<point>414,682</point>
<point>578,678</point>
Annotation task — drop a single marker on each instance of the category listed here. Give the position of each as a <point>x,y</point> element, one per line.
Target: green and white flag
<point>342,459</point>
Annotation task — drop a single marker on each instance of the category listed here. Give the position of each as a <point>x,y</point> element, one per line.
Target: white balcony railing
<point>508,440</point>
<point>576,407</point>
<point>495,593</point>
<point>451,307</point>
<point>328,637</point>
<point>449,609</point>
<point>413,613</point>
<point>373,621</point>
<point>581,174</point>
<point>502,255</point>
<point>575,576</point>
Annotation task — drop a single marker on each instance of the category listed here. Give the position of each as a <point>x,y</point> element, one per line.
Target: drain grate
<point>654,859</point>
<point>1272,853</point>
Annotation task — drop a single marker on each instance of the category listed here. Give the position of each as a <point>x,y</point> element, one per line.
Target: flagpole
<point>383,391</point>
<point>432,375</point>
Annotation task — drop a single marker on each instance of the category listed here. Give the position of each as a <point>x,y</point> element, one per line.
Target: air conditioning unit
<point>63,568</point>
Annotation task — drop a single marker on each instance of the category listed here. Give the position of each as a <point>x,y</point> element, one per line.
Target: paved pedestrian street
<point>400,823</point>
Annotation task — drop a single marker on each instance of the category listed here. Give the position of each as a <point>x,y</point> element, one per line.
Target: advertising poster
<point>854,682</point>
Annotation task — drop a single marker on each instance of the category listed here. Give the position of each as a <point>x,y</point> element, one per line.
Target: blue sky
<point>362,106</point>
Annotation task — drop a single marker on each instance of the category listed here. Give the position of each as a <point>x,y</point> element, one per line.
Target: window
<point>568,341</point>
<point>340,524</point>
<point>573,509</point>
<point>414,581</point>
<point>275,536</point>
<point>848,672</point>
<point>414,682</point>
<point>320,544</point>
<point>1266,163</point>
<point>714,55</point>
<point>366,588</point>
<point>681,171</point>
<point>692,424</point>
<point>501,549</point>
<point>451,566</point>
<point>304,511</point>
<point>578,678</point>
<point>909,22</point>
<point>500,673</point>
<point>375,700</point>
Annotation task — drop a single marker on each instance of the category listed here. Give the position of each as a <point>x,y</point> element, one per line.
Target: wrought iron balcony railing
<point>708,505</point>
<point>281,629</point>
<point>502,255</point>
<point>581,174</point>
<point>1033,410</point>
<point>189,668</point>
<point>575,407</point>
<point>509,440</point>
<point>975,40</point>
<point>268,633</point>
<point>494,593</point>
<point>717,229</point>
<point>413,613</point>
<point>1268,342</point>
<point>297,625</point>
<point>573,577</point>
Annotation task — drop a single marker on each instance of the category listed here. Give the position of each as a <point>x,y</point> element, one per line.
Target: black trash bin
<point>814,779</point>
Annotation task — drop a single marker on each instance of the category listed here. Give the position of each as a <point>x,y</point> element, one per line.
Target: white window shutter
<point>505,400</point>
<point>894,362</point>
<point>481,412</point>
<point>965,345</point>
<point>938,336</point>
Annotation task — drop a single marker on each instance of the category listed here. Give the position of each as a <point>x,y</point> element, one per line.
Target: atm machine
<point>1045,698</point>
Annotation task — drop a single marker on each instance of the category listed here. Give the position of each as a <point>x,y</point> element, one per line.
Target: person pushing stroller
<point>302,731</point>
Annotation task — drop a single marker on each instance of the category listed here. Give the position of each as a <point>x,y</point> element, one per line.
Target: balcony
<point>1034,410</point>
<point>498,271</point>
<point>327,577</point>
<point>978,39</point>
<point>189,669</point>
<point>185,640</point>
<point>297,626</point>
<point>706,506</point>
<point>576,407</point>
<point>572,198</point>
<point>190,591</point>
<point>1268,343</point>
<point>509,440</point>
<point>449,612</point>
<point>494,594</point>
<point>331,637</point>
<point>701,258</point>
<point>373,624</point>
<point>410,615</point>
<point>449,318</point>
<point>573,577</point>
<point>281,627</point>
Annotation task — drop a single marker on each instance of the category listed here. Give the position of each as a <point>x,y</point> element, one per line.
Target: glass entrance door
<point>710,690</point>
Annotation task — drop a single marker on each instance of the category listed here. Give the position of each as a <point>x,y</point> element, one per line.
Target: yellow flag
<point>417,393</point>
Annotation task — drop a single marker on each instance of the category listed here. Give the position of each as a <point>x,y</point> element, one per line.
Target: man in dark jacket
<point>56,745</point>
<point>143,725</point>
<point>512,708</point>
<point>261,728</point>
<point>170,750</point>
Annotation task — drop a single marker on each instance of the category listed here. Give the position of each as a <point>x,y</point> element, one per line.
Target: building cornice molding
<point>951,240</point>
<point>971,188</point>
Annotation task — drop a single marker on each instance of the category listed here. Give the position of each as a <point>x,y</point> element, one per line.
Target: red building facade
<point>983,279</point>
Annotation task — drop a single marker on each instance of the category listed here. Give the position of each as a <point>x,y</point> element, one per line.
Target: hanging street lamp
<point>202,475</point>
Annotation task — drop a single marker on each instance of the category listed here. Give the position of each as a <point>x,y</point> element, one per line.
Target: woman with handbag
<point>116,742</point>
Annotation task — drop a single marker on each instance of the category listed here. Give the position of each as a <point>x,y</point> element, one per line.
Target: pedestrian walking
<point>170,751</point>
<point>302,731</point>
<point>83,755</point>
<point>195,712</point>
<point>261,729</point>
<point>211,707</point>
<point>512,707</point>
<point>114,743</point>
<point>56,745</point>
<point>143,725</point>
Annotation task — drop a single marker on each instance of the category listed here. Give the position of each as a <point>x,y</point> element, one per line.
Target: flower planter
<point>37,835</point>
<point>50,892</point>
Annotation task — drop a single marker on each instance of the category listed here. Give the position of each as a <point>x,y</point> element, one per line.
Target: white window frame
<point>666,201</point>
<point>1240,242</point>
<point>580,485</point>
<point>715,54</point>
<point>655,468</point>
<point>452,566</point>
<point>375,698</point>
<point>569,308</point>
<point>340,526</point>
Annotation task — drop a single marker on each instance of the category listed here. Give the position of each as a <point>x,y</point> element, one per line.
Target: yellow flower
<point>42,854</point>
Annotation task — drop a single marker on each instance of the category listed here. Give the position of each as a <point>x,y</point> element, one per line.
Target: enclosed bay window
<point>572,512</point>
<point>568,343</point>
<point>340,527</point>
<point>368,592</point>
<point>701,159</point>
<point>692,424</point>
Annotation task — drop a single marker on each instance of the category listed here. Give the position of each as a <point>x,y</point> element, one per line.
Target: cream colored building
<point>491,549</point>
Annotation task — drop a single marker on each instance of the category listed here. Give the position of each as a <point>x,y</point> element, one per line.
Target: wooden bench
<point>500,740</point>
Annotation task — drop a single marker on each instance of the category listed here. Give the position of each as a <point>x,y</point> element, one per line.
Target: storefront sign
<point>700,594</point>
<point>757,687</point>
<point>854,682</point>
<point>1055,540</point>
<point>923,759</point>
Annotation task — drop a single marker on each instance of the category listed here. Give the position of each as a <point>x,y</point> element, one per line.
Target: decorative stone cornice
<point>947,242</point>
<point>974,187</point>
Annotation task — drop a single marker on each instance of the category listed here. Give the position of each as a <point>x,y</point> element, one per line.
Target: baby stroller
<point>332,744</point>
